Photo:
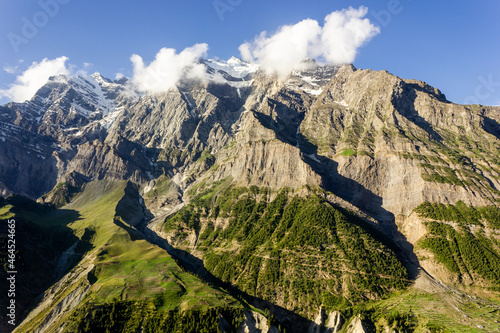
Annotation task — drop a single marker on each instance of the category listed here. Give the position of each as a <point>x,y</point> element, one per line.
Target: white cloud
<point>285,49</point>
<point>344,32</point>
<point>27,84</point>
<point>10,69</point>
<point>336,42</point>
<point>168,68</point>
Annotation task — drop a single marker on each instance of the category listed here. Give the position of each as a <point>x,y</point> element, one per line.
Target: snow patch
<point>240,84</point>
<point>108,120</point>
<point>343,103</point>
<point>235,67</point>
<point>313,157</point>
<point>190,108</point>
<point>315,92</point>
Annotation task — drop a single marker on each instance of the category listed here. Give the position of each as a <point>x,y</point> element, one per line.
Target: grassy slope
<point>456,236</point>
<point>465,239</point>
<point>37,250</point>
<point>127,267</point>
<point>444,311</point>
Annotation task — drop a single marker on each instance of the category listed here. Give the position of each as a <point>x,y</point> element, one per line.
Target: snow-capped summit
<point>101,79</point>
<point>68,102</point>
<point>87,94</point>
<point>234,67</point>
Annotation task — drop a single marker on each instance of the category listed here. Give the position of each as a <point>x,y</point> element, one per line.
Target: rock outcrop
<point>331,322</point>
<point>357,325</point>
<point>256,323</point>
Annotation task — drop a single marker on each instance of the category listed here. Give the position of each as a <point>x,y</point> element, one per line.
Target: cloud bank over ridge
<point>168,68</point>
<point>37,74</point>
<point>335,43</point>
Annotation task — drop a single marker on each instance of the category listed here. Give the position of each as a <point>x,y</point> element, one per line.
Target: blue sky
<point>452,46</point>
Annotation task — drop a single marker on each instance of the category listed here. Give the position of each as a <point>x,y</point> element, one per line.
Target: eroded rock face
<point>28,165</point>
<point>334,322</point>
<point>327,322</point>
<point>357,326</point>
<point>256,323</point>
<point>272,164</point>
<point>390,140</point>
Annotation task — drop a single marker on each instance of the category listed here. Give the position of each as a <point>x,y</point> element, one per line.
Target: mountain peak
<point>101,79</point>
<point>235,67</point>
<point>235,61</point>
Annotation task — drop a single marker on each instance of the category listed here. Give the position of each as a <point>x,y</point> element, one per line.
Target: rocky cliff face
<point>41,136</point>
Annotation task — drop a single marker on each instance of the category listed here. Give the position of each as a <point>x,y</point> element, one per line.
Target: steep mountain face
<point>330,188</point>
<point>40,136</point>
<point>395,126</point>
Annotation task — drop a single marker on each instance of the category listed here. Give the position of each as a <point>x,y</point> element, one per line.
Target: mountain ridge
<point>246,153</point>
